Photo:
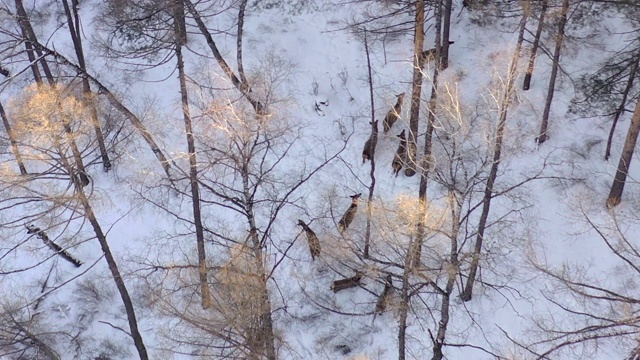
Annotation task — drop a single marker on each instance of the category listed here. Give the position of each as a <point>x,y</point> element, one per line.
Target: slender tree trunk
<point>493,173</point>
<point>625,159</point>
<point>32,59</point>
<point>111,262</point>
<point>12,140</point>
<point>266,321</point>
<point>416,91</point>
<point>115,273</point>
<point>534,48</point>
<point>452,272</point>
<point>623,104</point>
<point>542,137</point>
<point>428,140</point>
<point>193,179</point>
<point>241,11</point>
<point>113,100</point>
<point>403,309</point>
<point>241,86</point>
<point>27,29</point>
<point>74,28</point>
<point>446,28</point>
<point>367,237</point>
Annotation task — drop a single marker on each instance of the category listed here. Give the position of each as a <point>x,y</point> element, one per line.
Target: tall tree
<point>615,194</point>
<point>534,47</point>
<point>180,39</point>
<point>243,87</point>
<point>73,22</point>
<point>13,141</point>
<point>446,30</point>
<point>505,100</point>
<point>542,136</point>
<point>416,89</point>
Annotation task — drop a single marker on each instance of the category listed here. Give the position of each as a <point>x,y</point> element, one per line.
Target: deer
<point>347,283</point>
<point>401,154</point>
<point>348,216</point>
<point>429,54</point>
<point>383,299</point>
<point>394,114</point>
<point>370,145</point>
<point>312,240</point>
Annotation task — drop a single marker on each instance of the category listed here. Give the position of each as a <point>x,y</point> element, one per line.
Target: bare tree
<point>45,116</point>
<point>416,89</point>
<point>542,136</point>
<point>12,140</point>
<point>615,194</point>
<point>504,102</point>
<point>73,22</point>
<point>180,36</point>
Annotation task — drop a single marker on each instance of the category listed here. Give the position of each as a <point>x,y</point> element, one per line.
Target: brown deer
<point>370,145</point>
<point>383,299</point>
<point>394,114</point>
<point>401,154</point>
<point>312,240</point>
<point>348,283</point>
<point>428,55</point>
<point>348,216</point>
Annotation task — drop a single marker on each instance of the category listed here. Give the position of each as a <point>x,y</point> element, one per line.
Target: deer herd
<point>399,160</point>
<point>400,157</point>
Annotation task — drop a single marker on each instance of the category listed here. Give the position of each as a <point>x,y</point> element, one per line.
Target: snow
<point>148,224</point>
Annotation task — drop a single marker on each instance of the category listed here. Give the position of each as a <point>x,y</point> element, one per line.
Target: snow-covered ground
<point>311,58</point>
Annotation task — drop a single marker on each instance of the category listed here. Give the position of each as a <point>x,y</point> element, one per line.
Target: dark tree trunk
<point>113,100</point>
<point>617,187</point>
<point>493,172</point>
<point>534,48</point>
<point>367,237</point>
<point>25,24</point>
<point>241,86</point>
<point>12,140</point>
<point>428,140</point>
<point>542,137</point>
<point>416,90</point>
<point>446,29</point>
<point>443,324</point>
<point>404,312</point>
<point>623,104</point>
<point>111,262</point>
<point>74,28</point>
<point>266,321</point>
<point>193,167</point>
<point>241,11</point>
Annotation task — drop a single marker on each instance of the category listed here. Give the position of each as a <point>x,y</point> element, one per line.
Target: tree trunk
<point>25,24</point>
<point>452,273</point>
<point>625,159</point>
<point>266,322</point>
<point>12,140</point>
<point>542,137</point>
<point>367,237</point>
<point>493,173</point>
<point>193,179</point>
<point>241,86</point>
<point>74,28</point>
<point>111,262</point>
<point>241,11</point>
<point>623,104</point>
<point>113,100</point>
<point>534,48</point>
<point>404,310</point>
<point>416,91</point>
<point>445,35</point>
<point>428,140</point>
